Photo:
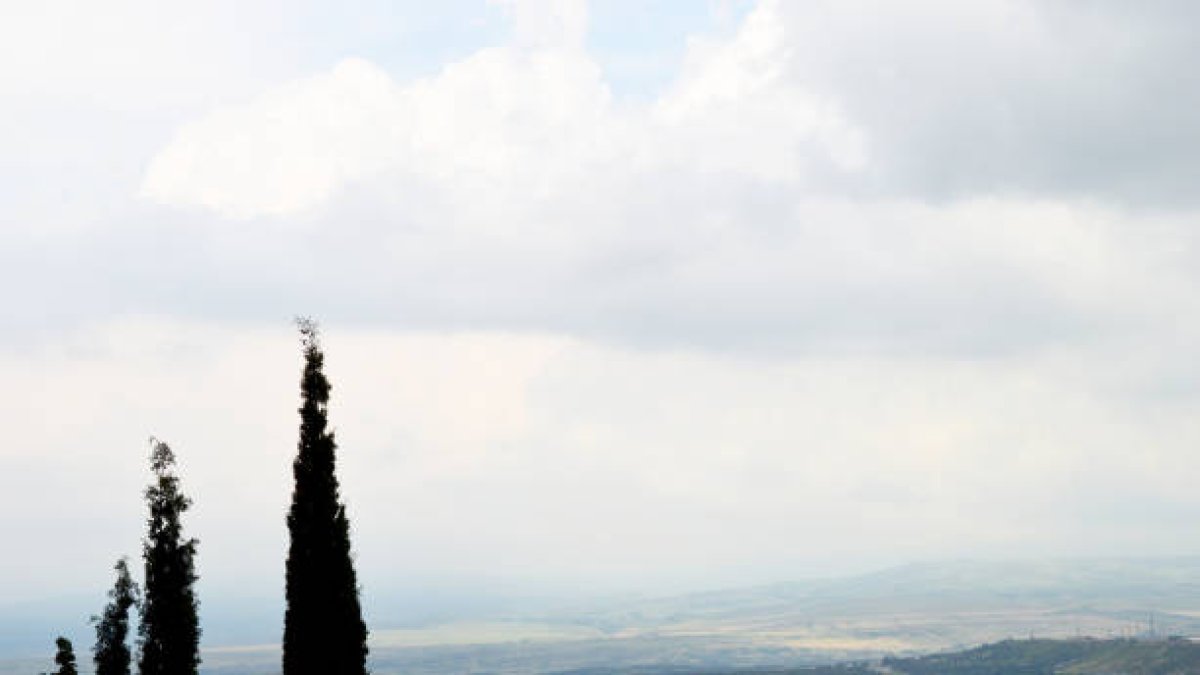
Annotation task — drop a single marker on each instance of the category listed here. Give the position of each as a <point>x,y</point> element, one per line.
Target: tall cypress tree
<point>64,658</point>
<point>170,629</point>
<point>111,652</point>
<point>323,632</point>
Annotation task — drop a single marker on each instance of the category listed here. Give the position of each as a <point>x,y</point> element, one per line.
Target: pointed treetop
<point>310,333</point>
<point>324,633</point>
<point>161,457</point>
<point>314,385</point>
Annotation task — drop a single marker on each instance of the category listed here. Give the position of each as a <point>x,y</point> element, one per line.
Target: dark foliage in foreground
<point>324,633</point>
<point>1011,657</point>
<point>170,629</point>
<point>111,652</point>
<point>64,658</point>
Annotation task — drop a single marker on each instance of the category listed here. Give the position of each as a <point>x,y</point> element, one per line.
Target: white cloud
<point>931,100</point>
<point>741,208</point>
<point>507,124</point>
<point>502,118</point>
<point>735,109</point>
<point>537,456</point>
<point>311,138</point>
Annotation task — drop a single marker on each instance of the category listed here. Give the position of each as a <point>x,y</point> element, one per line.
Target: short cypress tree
<point>324,633</point>
<point>65,657</point>
<point>111,652</point>
<point>170,629</point>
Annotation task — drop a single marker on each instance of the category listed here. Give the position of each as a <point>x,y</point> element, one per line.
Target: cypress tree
<point>170,630</point>
<point>64,658</point>
<point>111,652</point>
<point>323,633</point>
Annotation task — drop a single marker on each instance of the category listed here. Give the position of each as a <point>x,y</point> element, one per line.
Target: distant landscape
<point>895,614</point>
<point>600,337</point>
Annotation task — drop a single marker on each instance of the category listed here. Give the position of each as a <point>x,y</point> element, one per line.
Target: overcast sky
<point>630,295</point>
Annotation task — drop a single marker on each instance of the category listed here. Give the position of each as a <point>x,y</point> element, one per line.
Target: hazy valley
<point>910,610</point>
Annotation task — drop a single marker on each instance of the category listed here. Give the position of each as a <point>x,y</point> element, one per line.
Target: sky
<point>616,296</point>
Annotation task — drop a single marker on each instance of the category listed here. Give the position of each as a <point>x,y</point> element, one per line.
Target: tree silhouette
<point>323,633</point>
<point>170,630</point>
<point>111,652</point>
<point>64,658</point>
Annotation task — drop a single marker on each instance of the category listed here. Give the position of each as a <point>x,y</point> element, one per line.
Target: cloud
<point>678,467</point>
<point>309,139</point>
<point>932,100</point>
<point>743,271</point>
<point>1080,100</point>
<point>523,122</point>
<point>861,280</point>
<point>820,178</point>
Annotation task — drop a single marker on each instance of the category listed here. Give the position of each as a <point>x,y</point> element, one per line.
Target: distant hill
<point>936,606</point>
<point>1068,657</point>
<point>905,611</point>
<point>1010,657</point>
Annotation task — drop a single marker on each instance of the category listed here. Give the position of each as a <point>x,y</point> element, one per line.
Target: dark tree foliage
<point>323,631</point>
<point>65,657</point>
<point>170,630</point>
<point>111,653</point>
<point>1051,657</point>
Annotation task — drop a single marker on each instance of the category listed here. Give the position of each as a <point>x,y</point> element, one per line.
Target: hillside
<point>903,611</point>
<point>928,607</point>
<point>1073,657</point>
<point>1082,656</point>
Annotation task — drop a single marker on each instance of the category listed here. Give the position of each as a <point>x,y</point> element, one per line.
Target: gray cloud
<point>989,214</point>
<point>1085,99</point>
<point>878,287</point>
